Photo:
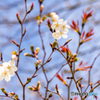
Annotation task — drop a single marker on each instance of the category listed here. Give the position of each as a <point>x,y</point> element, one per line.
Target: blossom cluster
<point>60,28</point>
<point>7,70</point>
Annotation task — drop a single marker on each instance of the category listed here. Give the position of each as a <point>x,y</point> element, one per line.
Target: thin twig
<point>91,91</point>
<point>89,73</point>
<point>7,97</point>
<point>43,47</point>
<point>57,72</point>
<point>57,94</point>
<point>40,94</point>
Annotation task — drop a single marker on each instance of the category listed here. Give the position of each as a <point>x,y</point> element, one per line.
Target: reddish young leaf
<point>63,48</point>
<point>83,34</point>
<point>76,98</point>
<point>89,34</point>
<point>75,26</point>
<point>60,78</point>
<point>81,63</point>
<point>89,14</point>
<point>88,39</point>
<point>73,22</point>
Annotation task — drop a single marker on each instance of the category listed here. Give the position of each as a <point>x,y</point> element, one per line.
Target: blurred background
<point>68,10</point>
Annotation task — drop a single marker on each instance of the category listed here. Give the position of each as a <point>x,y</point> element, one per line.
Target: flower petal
<point>64,36</point>
<point>56,35</point>
<point>7,78</point>
<point>11,63</point>
<point>60,21</point>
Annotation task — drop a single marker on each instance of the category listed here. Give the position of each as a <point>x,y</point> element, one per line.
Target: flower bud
<point>18,18</point>
<point>54,44</point>
<point>30,88</point>
<point>39,21</point>
<point>56,88</point>
<point>1,57</point>
<point>31,8</point>
<point>27,54</point>
<point>76,59</point>
<point>79,83</point>
<point>11,93</point>
<point>4,91</point>
<point>36,66</point>
<point>15,43</point>
<point>16,97</point>
<point>24,31</point>
<point>49,60</point>
<point>37,50</point>
<point>50,95</point>
<point>14,57</point>
<point>41,8</point>
<point>91,84</point>
<point>38,61</point>
<point>38,85</point>
<point>44,17</point>
<point>54,16</point>
<point>28,79</point>
<point>82,86</point>
<point>32,48</point>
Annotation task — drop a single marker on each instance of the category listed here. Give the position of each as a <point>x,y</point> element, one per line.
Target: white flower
<point>7,70</point>
<point>58,34</point>
<point>4,74</point>
<point>14,57</point>
<point>64,26</point>
<point>54,16</point>
<point>10,66</point>
<point>61,28</point>
<point>57,25</point>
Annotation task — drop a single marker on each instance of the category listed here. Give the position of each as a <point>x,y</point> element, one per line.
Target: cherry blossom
<point>7,70</point>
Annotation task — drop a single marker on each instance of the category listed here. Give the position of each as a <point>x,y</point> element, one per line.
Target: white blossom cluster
<point>7,70</point>
<point>61,28</point>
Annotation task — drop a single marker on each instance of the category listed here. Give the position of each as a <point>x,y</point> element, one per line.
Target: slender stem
<point>19,78</point>
<point>70,65</point>
<point>57,94</point>
<point>69,89</point>
<point>40,94</point>
<point>43,47</point>
<point>19,49</point>
<point>89,73</point>
<point>68,92</point>
<point>70,70</point>
<point>7,97</point>
<point>91,91</point>
<point>74,62</point>
<point>23,92</point>
<point>57,72</point>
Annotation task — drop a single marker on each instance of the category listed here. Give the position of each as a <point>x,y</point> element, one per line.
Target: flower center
<point>8,67</point>
<point>5,72</point>
<point>64,27</point>
<point>57,25</point>
<point>1,64</point>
